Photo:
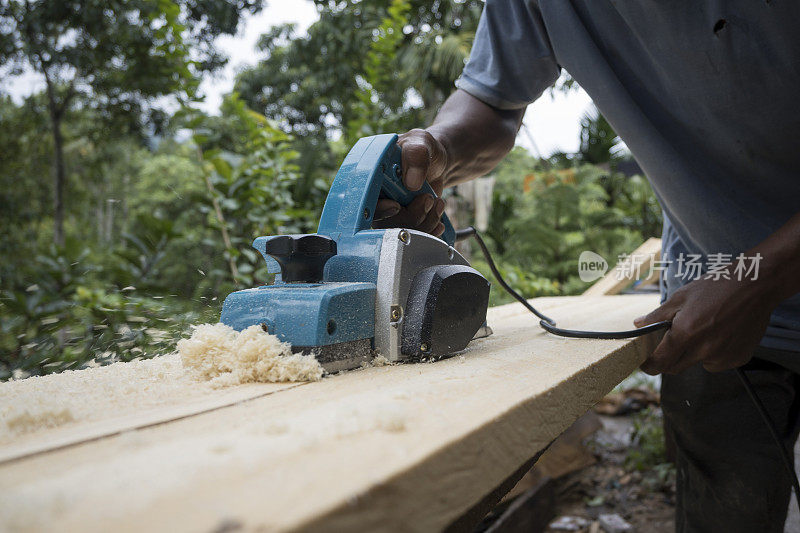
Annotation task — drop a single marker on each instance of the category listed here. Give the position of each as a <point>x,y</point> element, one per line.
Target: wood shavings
<point>215,356</point>
<point>27,421</point>
<point>219,354</point>
<point>378,360</point>
<point>381,361</point>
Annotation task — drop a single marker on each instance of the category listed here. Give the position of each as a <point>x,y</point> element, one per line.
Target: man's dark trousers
<point>729,475</point>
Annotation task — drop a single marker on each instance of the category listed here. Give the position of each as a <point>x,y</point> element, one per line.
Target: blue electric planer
<point>350,292</point>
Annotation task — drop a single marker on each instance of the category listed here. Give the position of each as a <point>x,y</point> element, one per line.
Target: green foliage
<point>128,288</point>
<point>509,178</point>
<point>599,141</point>
<point>648,447</point>
<point>544,214</point>
<point>67,320</point>
<point>23,198</point>
<point>141,258</point>
<point>386,42</point>
<point>165,183</point>
<point>563,213</point>
<point>322,69</point>
<point>118,51</point>
<point>648,453</point>
<point>524,282</point>
<point>250,189</point>
<point>114,57</point>
<point>378,105</point>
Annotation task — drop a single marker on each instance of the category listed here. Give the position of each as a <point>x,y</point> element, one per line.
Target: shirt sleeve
<point>512,61</point>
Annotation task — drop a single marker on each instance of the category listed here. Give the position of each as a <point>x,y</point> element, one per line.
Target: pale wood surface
<point>407,447</point>
<point>613,283</point>
<point>130,418</point>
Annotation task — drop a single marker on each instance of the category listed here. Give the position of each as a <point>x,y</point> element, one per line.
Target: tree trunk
<point>109,228</point>
<point>98,217</point>
<point>126,185</point>
<point>59,172</point>
<point>59,178</point>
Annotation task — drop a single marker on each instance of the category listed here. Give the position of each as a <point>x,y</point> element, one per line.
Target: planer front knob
<point>302,258</point>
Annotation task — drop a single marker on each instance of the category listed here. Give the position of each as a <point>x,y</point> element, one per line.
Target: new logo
<point>591,266</point>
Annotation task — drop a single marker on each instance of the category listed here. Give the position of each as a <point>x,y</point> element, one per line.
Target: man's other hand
<point>717,322</point>
<point>423,159</point>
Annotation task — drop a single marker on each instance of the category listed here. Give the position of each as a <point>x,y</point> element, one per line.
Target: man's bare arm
<point>467,139</point>
<point>475,138</point>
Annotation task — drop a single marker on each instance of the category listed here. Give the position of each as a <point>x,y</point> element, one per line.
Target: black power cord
<point>545,321</point>
<point>549,325</point>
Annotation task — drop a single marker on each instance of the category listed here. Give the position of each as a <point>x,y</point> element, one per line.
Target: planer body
<point>349,292</point>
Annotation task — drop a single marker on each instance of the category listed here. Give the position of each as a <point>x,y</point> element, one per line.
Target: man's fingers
<point>411,216</point>
<point>416,160</point>
<point>419,208</point>
<point>386,208</point>
<point>414,214</point>
<point>433,217</point>
<point>423,158</point>
<point>668,352</point>
<point>665,312</point>
<point>439,207</point>
<point>424,213</point>
<point>673,348</point>
<point>415,177</point>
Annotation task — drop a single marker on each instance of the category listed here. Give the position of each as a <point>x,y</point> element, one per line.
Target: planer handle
<point>373,166</point>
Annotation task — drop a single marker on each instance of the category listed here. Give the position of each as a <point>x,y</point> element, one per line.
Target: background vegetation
<point>126,214</point>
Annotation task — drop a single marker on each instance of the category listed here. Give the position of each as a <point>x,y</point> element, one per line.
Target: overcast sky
<point>553,123</point>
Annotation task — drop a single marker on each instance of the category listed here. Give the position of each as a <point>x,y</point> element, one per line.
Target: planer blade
<point>341,356</point>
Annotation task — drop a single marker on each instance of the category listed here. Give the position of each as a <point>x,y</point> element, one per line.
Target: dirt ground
<point>639,492</point>
<point>644,499</point>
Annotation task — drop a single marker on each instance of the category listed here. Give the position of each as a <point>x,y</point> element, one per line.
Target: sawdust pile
<point>215,356</point>
<point>225,357</point>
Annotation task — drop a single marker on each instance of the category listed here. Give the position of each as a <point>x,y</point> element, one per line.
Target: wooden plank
<point>130,419</point>
<point>409,447</point>
<point>530,512</point>
<point>613,283</point>
<point>565,455</point>
<point>123,406</point>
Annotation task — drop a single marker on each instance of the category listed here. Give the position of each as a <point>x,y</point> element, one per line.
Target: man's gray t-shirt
<point>705,94</point>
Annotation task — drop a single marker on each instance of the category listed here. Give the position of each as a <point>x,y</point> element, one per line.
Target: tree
<point>22,199</point>
<point>599,142</point>
<point>378,104</point>
<point>310,85</point>
<point>115,56</point>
